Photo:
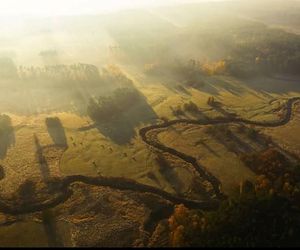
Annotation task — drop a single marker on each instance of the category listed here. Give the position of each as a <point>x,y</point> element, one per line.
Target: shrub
<point>191,107</point>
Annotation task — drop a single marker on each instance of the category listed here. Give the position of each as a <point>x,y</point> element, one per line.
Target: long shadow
<point>49,220</point>
<point>214,86</point>
<point>232,142</point>
<point>178,114</point>
<point>235,144</point>
<point>260,140</point>
<point>2,173</point>
<point>275,84</point>
<point>229,145</point>
<point>182,89</point>
<point>27,191</point>
<point>241,145</point>
<point>230,87</point>
<point>117,116</point>
<point>44,167</point>
<point>204,144</point>
<point>218,107</point>
<point>7,135</point>
<point>201,115</point>
<point>50,226</point>
<point>56,131</point>
<point>168,172</point>
<point>290,155</point>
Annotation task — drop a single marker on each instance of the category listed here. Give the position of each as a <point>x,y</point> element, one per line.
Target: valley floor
<point>31,154</point>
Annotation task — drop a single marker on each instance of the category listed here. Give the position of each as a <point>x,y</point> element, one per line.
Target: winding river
<point>63,185</point>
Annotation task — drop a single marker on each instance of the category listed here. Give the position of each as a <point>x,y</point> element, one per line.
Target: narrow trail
<point>9,207</point>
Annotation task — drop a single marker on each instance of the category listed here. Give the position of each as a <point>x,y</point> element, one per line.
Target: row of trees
<point>56,73</point>
<point>60,72</point>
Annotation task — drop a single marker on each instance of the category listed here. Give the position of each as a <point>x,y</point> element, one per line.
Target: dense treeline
<point>60,72</point>
<point>61,75</point>
<point>54,73</point>
<point>262,50</point>
<point>236,47</point>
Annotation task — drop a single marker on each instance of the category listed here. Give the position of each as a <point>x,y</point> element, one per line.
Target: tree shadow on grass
<point>217,106</point>
<point>51,229</point>
<point>169,173</point>
<point>27,191</point>
<point>225,136</point>
<point>7,135</point>
<point>44,167</point>
<point>56,131</point>
<point>205,145</point>
<point>2,173</point>
<point>117,116</point>
<point>276,84</point>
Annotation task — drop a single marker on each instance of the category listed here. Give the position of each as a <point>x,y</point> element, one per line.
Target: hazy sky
<point>69,7</point>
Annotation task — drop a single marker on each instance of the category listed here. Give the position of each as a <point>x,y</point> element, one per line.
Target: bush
<point>178,111</point>
<point>191,107</point>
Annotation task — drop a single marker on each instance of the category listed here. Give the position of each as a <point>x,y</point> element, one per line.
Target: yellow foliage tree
<point>182,221</point>
<point>214,68</point>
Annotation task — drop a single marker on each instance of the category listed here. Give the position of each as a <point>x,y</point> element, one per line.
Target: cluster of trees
<point>265,213</point>
<point>214,68</point>
<point>189,107</point>
<point>211,101</point>
<point>249,220</point>
<point>276,174</point>
<point>108,108</point>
